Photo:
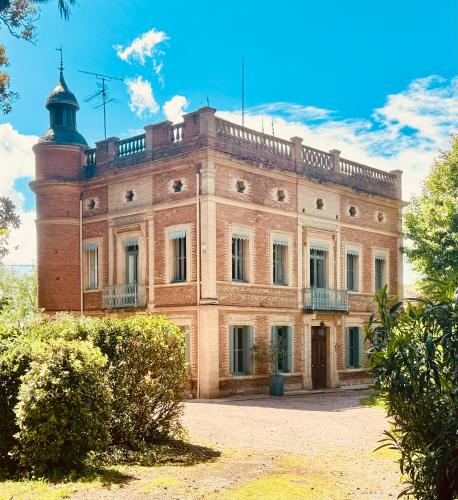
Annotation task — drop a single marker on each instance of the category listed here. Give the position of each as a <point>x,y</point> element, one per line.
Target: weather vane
<point>61,67</point>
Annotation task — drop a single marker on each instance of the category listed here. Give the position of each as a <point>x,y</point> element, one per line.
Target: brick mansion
<point>237,236</point>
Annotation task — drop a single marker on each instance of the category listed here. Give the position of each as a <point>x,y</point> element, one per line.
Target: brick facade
<point>116,201</point>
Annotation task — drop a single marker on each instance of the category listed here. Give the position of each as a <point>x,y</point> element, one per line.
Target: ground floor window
<point>282,348</point>
<point>354,343</point>
<point>187,343</point>
<point>240,349</point>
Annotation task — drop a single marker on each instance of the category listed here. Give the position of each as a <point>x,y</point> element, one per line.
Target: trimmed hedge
<point>64,405</point>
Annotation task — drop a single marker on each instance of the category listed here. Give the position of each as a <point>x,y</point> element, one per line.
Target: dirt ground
<point>295,447</point>
<point>315,446</point>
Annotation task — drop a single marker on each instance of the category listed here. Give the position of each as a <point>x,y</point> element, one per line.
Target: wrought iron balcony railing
<point>325,299</point>
<point>121,296</point>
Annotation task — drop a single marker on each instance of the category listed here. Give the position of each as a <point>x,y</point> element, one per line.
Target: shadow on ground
<point>326,402</point>
<point>169,452</point>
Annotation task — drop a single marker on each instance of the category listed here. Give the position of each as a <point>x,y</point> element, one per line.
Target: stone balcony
<point>202,128</point>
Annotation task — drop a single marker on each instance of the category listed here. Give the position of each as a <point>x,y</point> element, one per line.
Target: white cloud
<point>406,133</point>
<point>17,161</point>
<point>145,46</point>
<point>142,101</point>
<point>174,109</point>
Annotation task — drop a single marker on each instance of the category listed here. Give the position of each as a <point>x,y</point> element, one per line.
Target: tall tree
<point>431,223</point>
<point>8,220</point>
<point>19,17</point>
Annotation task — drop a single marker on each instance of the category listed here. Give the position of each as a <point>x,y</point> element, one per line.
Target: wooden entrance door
<point>318,357</point>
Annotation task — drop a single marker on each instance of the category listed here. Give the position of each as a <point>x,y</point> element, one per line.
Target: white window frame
<point>169,256</point>
<point>384,254</point>
<point>248,233</point>
<point>98,242</point>
<point>359,266</point>
<point>329,244</point>
<point>121,238</point>
<point>288,238</point>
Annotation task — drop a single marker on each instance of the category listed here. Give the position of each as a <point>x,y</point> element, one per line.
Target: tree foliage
<point>431,223</point>
<point>415,367</point>
<point>8,220</point>
<point>19,18</point>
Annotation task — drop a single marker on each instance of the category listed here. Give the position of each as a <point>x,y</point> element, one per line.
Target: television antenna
<point>101,97</point>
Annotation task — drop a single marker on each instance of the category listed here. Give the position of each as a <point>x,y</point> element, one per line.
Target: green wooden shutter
<point>274,349</point>
<point>248,349</point>
<point>347,347</point>
<point>231,349</point>
<point>360,346</point>
<point>289,347</point>
<point>356,347</point>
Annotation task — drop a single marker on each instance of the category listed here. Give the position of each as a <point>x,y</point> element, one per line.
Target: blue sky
<point>357,75</point>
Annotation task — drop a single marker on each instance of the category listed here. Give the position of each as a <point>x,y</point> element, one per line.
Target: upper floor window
<point>282,348</point>
<point>131,249</point>
<point>380,272</point>
<point>352,211</point>
<point>177,186</point>
<point>239,254</point>
<point>92,259</point>
<point>318,267</point>
<point>179,256</point>
<point>91,204</point>
<point>354,351</point>
<point>281,195</point>
<point>352,269</point>
<point>279,259</point>
<point>129,195</point>
<point>240,186</point>
<point>240,349</point>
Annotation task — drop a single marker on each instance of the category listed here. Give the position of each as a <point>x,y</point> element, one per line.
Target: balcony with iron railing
<point>123,296</point>
<point>325,299</point>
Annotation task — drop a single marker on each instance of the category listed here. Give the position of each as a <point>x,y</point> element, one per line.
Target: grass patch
<point>286,486</point>
<point>373,400</point>
<point>161,482</point>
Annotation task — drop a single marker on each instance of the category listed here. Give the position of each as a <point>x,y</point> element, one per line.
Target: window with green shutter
<point>380,279</point>
<point>354,347</point>
<point>282,347</point>
<point>240,349</point>
<point>238,258</point>
<point>352,261</point>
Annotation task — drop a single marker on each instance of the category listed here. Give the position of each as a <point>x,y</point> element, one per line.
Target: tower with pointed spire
<point>59,156</point>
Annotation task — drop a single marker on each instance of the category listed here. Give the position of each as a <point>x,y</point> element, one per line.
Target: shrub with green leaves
<point>64,405</point>
<point>148,373</point>
<point>415,366</point>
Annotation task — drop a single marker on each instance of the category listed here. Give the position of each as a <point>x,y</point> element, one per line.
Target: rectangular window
<point>179,259</point>
<point>354,347</point>
<point>240,349</point>
<point>380,266</point>
<point>92,266</point>
<point>318,268</point>
<point>279,263</point>
<point>282,348</point>
<point>352,272</point>
<point>238,259</point>
<point>131,264</point>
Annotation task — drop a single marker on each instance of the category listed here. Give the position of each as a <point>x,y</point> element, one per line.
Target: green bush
<point>64,405</point>
<point>415,366</point>
<point>15,353</point>
<point>148,373</point>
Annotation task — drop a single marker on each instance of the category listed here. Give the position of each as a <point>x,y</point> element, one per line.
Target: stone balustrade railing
<point>202,128</point>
